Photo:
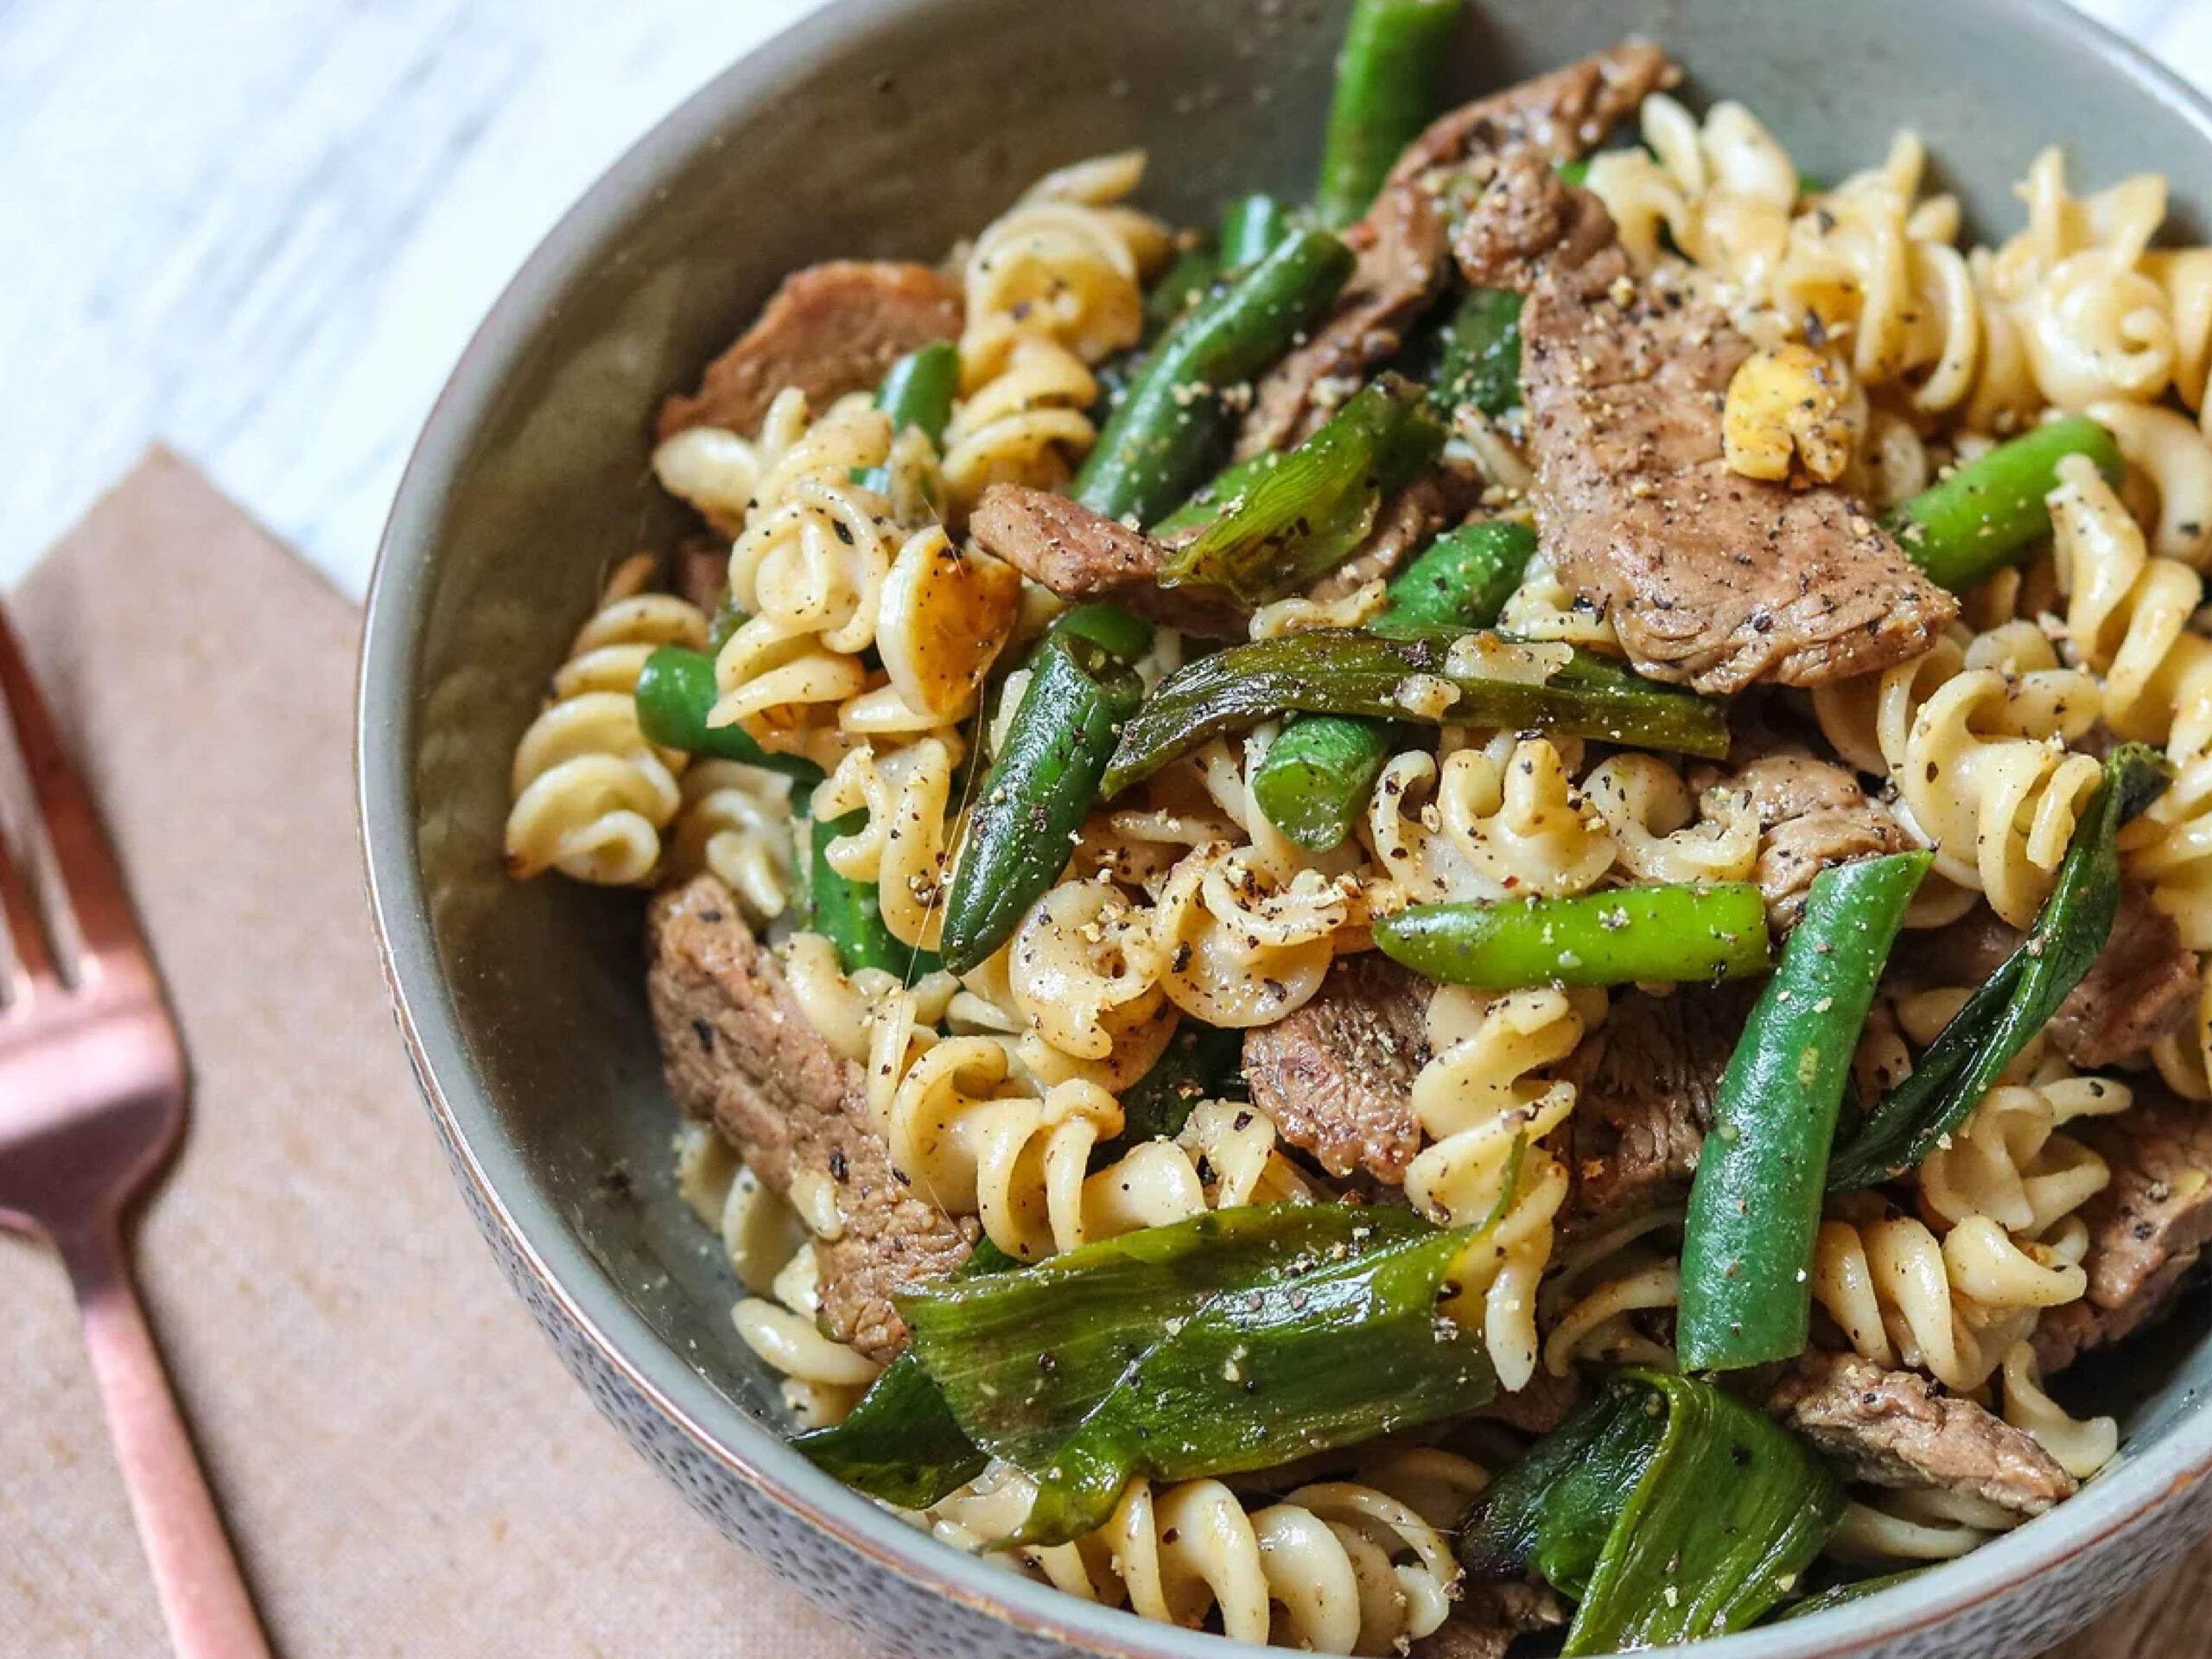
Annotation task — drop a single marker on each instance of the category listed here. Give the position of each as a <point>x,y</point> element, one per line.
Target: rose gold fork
<point>92,1105</point>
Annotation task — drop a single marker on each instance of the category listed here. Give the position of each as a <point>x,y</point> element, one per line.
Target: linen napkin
<point>405,1467</point>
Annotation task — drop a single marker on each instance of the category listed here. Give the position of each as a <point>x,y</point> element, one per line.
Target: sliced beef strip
<point>1337,1076</point>
<point>703,570</point>
<point>1079,554</point>
<point>829,329</point>
<point>1895,1429</point>
<point>1646,1081</point>
<point>2148,1229</point>
<point>2143,987</point>
<point>1538,1406</point>
<point>1403,244</point>
<point>740,1054</point>
<point>1710,577</point>
<point>1487,1619</point>
<point>1812,815</point>
<point>1405,522</point>
<point>1521,219</point>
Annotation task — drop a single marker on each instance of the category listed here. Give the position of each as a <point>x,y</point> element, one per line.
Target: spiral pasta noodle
<point>1054,286</point>
<point>1929,1524</point>
<point>1485,1111</point>
<point>2081,1445</point>
<point>1363,1566</point>
<point>2009,1162</point>
<point>824,1379</point>
<point>1504,819</point>
<point>591,795</point>
<point>736,821</point>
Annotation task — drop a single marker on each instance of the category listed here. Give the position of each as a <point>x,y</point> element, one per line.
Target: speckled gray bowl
<point>892,127</point>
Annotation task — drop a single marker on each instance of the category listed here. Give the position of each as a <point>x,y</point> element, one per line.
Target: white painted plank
<point>263,231</point>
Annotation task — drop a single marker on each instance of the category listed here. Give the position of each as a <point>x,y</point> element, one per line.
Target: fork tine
<point>26,932</point>
<point>104,916</point>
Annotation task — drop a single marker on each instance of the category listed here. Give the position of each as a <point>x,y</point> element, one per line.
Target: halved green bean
<point>1308,513</point>
<point>1385,94</point>
<point>848,913</point>
<point>1321,771</point>
<point>1481,361</point>
<point>1040,787</point>
<point>1755,1206</point>
<point>1249,226</point>
<point>1158,443</point>
<point>1992,510</point>
<point>677,692</point>
<point>1346,672</point>
<point>917,390</point>
<point>1669,934</point>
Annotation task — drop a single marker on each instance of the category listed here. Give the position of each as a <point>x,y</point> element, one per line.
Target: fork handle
<point>203,1597</point>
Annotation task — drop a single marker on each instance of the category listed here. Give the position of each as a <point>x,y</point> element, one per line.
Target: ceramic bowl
<point>893,128</point>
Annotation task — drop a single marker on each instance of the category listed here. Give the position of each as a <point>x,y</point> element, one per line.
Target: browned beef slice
<point>1894,1429</point>
<point>1079,554</point>
<point>1646,1081</point>
<point>1402,242</point>
<point>703,570</point>
<point>740,1054</point>
<point>1710,577</point>
<point>2144,986</point>
<point>1521,219</point>
<point>1811,815</point>
<point>1539,1406</point>
<point>1337,1076</point>
<point>1405,522</point>
<point>2146,1228</point>
<point>831,329</point>
<point>1487,1619</point>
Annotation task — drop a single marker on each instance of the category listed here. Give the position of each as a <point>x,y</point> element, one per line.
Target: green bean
<point>1313,508</point>
<point>1117,632</point>
<point>1992,510</point>
<point>1576,172</point>
<point>1482,353</point>
<point>677,692</point>
<point>1180,288</point>
<point>1755,1206</point>
<point>1249,226</point>
<point>1346,672</point>
<point>1385,94</point>
<point>1041,788</point>
<point>1668,933</point>
<point>917,390</point>
<point>1158,443</point>
<point>848,913</point>
<point>1321,771</point>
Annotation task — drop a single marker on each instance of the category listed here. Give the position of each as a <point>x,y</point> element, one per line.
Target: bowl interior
<point>895,129</point>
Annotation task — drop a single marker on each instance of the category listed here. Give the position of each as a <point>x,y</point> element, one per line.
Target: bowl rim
<point>555,1258</point>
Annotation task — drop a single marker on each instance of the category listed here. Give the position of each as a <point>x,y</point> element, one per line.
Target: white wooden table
<point>261,230</point>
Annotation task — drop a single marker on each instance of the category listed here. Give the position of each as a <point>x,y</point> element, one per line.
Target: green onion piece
<point>1232,1341</point>
<point>1348,672</point>
<point>1755,1205</point>
<point>899,1443</point>
<point>1481,360</point>
<point>1663,934</point>
<point>1992,510</point>
<point>1385,94</point>
<point>1308,513</point>
<point>1173,421</point>
<point>1842,1595</point>
<point>1668,1510</point>
<point>2017,1001</point>
<point>677,692</point>
<point>1319,773</point>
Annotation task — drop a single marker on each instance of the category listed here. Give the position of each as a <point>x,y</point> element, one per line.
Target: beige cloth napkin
<point>405,1466</point>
